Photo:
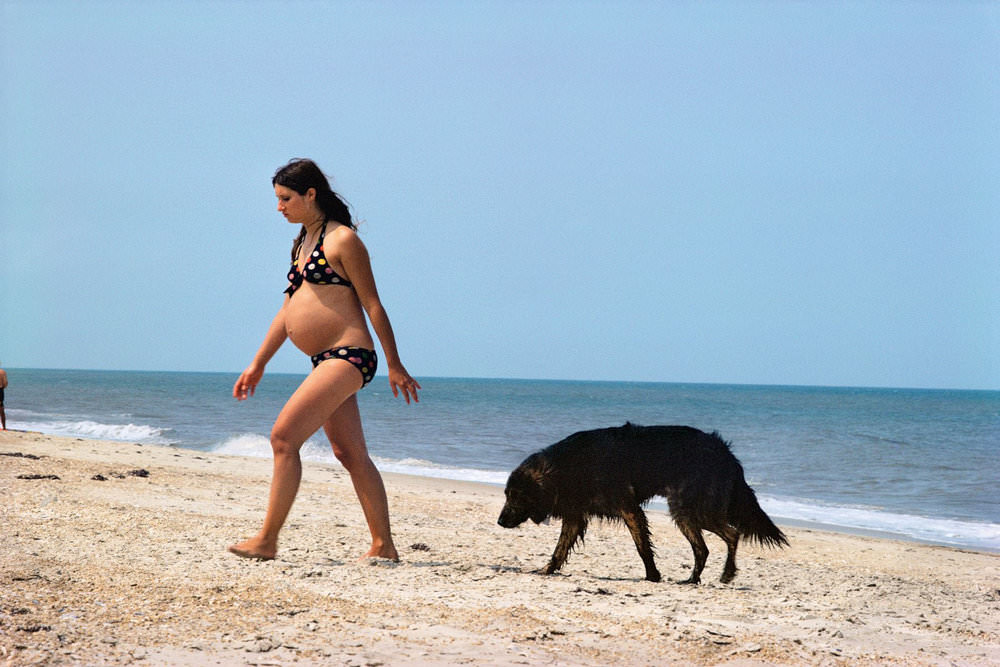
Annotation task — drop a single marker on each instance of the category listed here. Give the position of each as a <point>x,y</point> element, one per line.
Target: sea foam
<point>976,534</point>
<point>315,449</point>
<point>140,433</point>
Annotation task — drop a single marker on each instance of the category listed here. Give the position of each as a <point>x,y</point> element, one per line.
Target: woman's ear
<point>311,194</point>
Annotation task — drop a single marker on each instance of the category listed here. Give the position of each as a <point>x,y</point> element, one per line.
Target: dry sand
<point>134,569</point>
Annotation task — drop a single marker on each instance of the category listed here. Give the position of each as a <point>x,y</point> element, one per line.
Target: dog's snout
<point>504,520</point>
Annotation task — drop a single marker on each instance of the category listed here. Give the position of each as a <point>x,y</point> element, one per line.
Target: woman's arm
<point>247,383</point>
<point>357,265</point>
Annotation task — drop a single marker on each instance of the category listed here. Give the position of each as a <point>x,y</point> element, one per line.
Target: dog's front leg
<point>573,529</point>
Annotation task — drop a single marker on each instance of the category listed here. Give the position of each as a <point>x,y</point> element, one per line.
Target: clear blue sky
<point>778,193</point>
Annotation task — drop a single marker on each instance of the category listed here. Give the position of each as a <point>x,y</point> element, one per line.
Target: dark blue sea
<point>914,464</point>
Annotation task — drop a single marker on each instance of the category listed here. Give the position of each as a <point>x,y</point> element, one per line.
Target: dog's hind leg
<point>637,524</point>
<point>573,529</point>
<point>731,537</point>
<point>698,546</point>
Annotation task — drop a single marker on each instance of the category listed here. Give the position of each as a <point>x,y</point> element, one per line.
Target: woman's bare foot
<point>255,549</point>
<point>387,552</point>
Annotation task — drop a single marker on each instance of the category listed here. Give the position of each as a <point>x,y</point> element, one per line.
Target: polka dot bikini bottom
<point>365,360</point>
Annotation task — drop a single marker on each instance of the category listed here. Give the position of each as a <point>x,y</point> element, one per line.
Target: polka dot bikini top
<point>316,271</point>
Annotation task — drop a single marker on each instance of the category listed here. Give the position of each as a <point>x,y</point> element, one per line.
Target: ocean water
<point>914,464</point>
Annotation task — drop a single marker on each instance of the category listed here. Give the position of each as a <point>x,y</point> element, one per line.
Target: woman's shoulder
<point>342,234</point>
<point>343,238</point>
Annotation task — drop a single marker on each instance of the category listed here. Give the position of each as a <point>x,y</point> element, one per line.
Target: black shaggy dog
<point>611,473</point>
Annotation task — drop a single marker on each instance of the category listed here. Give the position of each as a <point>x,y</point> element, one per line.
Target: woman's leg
<point>347,438</point>
<point>319,396</point>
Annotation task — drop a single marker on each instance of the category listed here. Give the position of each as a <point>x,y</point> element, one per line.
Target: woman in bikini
<point>330,289</point>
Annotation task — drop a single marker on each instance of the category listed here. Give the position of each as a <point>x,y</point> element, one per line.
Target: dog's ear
<point>540,517</point>
<point>536,473</point>
<point>543,501</point>
<point>549,498</point>
<point>541,469</point>
<point>534,463</point>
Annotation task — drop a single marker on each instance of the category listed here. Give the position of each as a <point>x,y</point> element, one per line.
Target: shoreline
<point>881,535</point>
<point>133,569</point>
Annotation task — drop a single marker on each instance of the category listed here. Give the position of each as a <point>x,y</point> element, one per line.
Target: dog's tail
<point>747,517</point>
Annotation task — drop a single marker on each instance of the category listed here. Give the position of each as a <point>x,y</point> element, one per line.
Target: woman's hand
<point>400,380</point>
<point>247,383</point>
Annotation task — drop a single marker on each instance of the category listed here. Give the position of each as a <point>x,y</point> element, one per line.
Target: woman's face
<point>297,209</point>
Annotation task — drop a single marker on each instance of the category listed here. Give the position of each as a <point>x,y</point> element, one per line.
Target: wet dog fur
<point>611,473</point>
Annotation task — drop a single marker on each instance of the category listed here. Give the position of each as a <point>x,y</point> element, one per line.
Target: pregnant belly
<point>314,326</point>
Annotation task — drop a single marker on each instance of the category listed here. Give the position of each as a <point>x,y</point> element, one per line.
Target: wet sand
<point>133,569</point>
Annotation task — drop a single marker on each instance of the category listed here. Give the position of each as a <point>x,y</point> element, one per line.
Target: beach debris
<point>286,612</point>
<point>34,628</point>
<point>420,546</point>
<point>99,478</point>
<point>36,476</point>
<point>140,472</point>
<point>261,645</point>
<point>719,638</point>
<point>20,455</point>
<point>311,573</point>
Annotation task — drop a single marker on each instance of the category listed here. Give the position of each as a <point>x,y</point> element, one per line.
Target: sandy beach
<point>122,560</point>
